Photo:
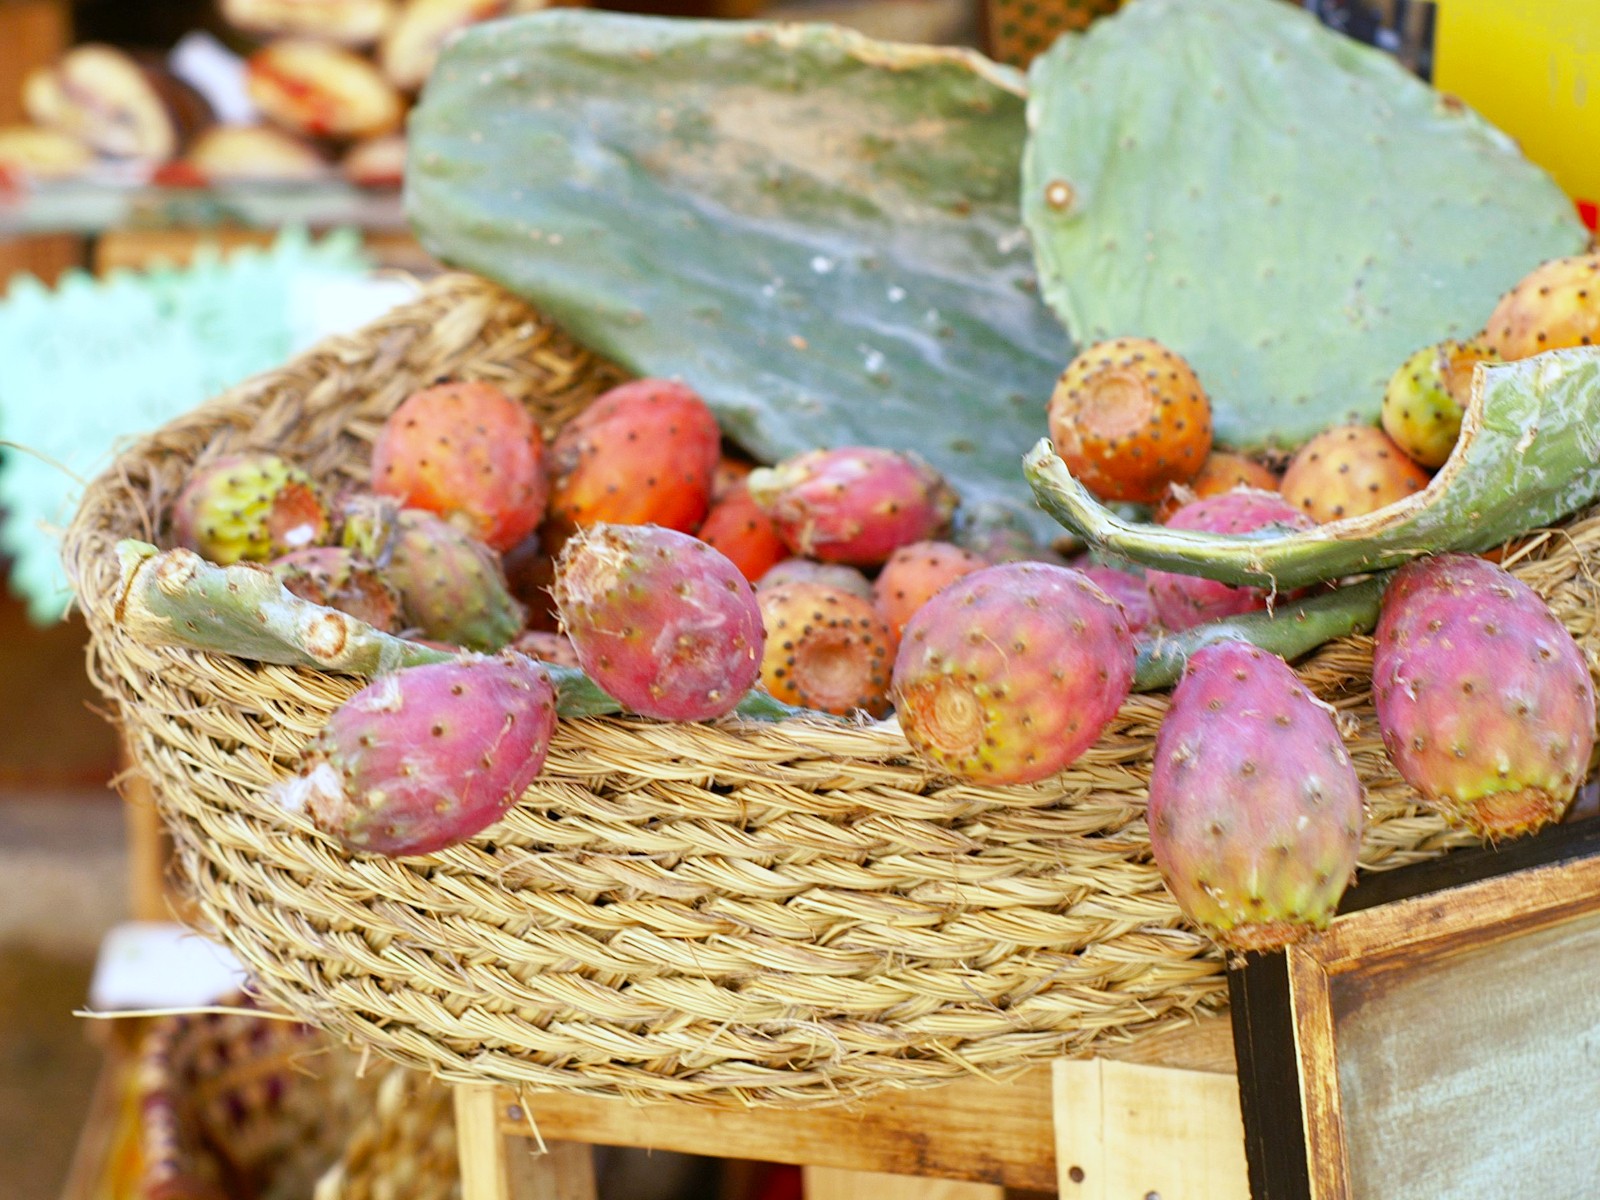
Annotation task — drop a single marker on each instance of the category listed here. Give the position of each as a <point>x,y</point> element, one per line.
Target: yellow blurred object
<point>1533,68</point>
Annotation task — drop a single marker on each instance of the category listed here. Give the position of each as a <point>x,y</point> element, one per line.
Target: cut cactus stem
<point>1528,455</point>
<point>176,598</point>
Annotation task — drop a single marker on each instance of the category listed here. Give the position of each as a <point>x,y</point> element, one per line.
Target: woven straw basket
<point>722,913</point>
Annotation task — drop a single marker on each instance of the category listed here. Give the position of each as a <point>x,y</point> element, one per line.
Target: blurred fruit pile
<point>330,80</point>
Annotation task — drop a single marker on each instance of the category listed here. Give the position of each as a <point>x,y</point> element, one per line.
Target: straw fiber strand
<point>724,913</point>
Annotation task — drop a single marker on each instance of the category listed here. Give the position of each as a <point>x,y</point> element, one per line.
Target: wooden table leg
<point>495,1166</point>
<point>834,1183</point>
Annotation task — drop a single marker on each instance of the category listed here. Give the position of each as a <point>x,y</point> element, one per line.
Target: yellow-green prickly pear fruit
<point>1426,396</point>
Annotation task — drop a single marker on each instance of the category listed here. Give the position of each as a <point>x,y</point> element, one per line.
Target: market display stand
<point>32,33</point>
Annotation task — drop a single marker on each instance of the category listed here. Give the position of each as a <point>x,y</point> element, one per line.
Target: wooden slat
<point>44,255</point>
<point>1125,1130</point>
<point>831,1183</point>
<point>497,1167</point>
<point>140,249</point>
<point>971,1129</point>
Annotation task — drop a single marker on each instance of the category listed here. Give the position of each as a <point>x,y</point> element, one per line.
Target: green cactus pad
<point>1528,455</point>
<point>816,231</point>
<point>1290,211</point>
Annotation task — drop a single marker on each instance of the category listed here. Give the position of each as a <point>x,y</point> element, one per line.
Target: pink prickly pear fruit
<point>829,575</point>
<point>1485,701</point>
<point>425,758</point>
<point>468,452</point>
<point>660,620</point>
<point>827,649</point>
<point>856,504</point>
<point>248,507</point>
<point>1426,397</point>
<point>1012,672</point>
<point>1128,590</point>
<point>1183,601</point>
<point>914,574</point>
<point>451,585</point>
<point>335,577</point>
<point>553,648</point>
<point>1555,306</point>
<point>1255,807</point>
<point>1349,471</point>
<point>644,453</point>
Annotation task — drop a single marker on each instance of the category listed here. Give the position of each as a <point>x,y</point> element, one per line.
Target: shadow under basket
<point>729,913</point>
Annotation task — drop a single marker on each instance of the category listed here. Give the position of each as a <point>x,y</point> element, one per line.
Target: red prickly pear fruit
<point>1128,590</point>
<point>1255,807</point>
<point>1129,417</point>
<point>468,452</point>
<point>914,574</point>
<point>335,577</point>
<point>248,507</point>
<point>424,758</point>
<point>1426,397</point>
<point>553,648</point>
<point>744,533</point>
<point>829,575</point>
<point>826,649</point>
<point>661,621</point>
<point>450,584</point>
<point>1484,700</point>
<point>1555,306</point>
<point>644,453</point>
<point>1221,472</point>
<point>729,477</point>
<point>1182,601</point>
<point>1012,672</point>
<point>856,504</point>
<point>1349,471</point>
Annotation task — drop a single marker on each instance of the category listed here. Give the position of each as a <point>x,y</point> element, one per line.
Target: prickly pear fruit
<point>336,577</point>
<point>1426,396</point>
<point>830,575</point>
<point>1128,590</point>
<point>450,584</point>
<point>660,620</point>
<point>1255,807</point>
<point>997,533</point>
<point>854,504</point>
<point>1221,472</point>
<point>1182,601</point>
<point>1485,701</point>
<point>1554,306</point>
<point>1012,672</point>
<point>468,452</point>
<point>1349,471</point>
<point>826,649</point>
<point>740,530</point>
<point>252,507</point>
<point>1128,417</point>
<point>914,574</point>
<point>644,453</point>
<point>729,476</point>
<point>553,648</point>
<point>424,758</point>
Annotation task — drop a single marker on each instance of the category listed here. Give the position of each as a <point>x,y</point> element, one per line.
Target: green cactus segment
<point>176,598</point>
<point>1290,211</point>
<point>1290,630</point>
<point>1528,455</point>
<point>816,231</point>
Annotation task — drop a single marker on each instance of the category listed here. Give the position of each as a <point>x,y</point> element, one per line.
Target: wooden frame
<point>1339,1075</point>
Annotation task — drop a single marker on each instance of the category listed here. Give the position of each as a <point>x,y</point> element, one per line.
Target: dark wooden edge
<point>1264,1012</point>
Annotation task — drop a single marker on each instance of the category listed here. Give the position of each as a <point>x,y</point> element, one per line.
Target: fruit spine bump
<point>1012,672</point>
<point>1555,306</point>
<point>468,452</point>
<point>426,757</point>
<point>1484,700</point>
<point>853,504</point>
<point>248,507</point>
<point>1349,471</point>
<point>1129,417</point>
<point>1255,808</point>
<point>664,623</point>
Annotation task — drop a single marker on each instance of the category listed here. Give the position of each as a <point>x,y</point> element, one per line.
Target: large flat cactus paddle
<point>817,231</point>
<point>1290,211</point>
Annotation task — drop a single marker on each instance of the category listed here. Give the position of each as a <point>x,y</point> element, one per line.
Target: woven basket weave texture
<point>723,913</point>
